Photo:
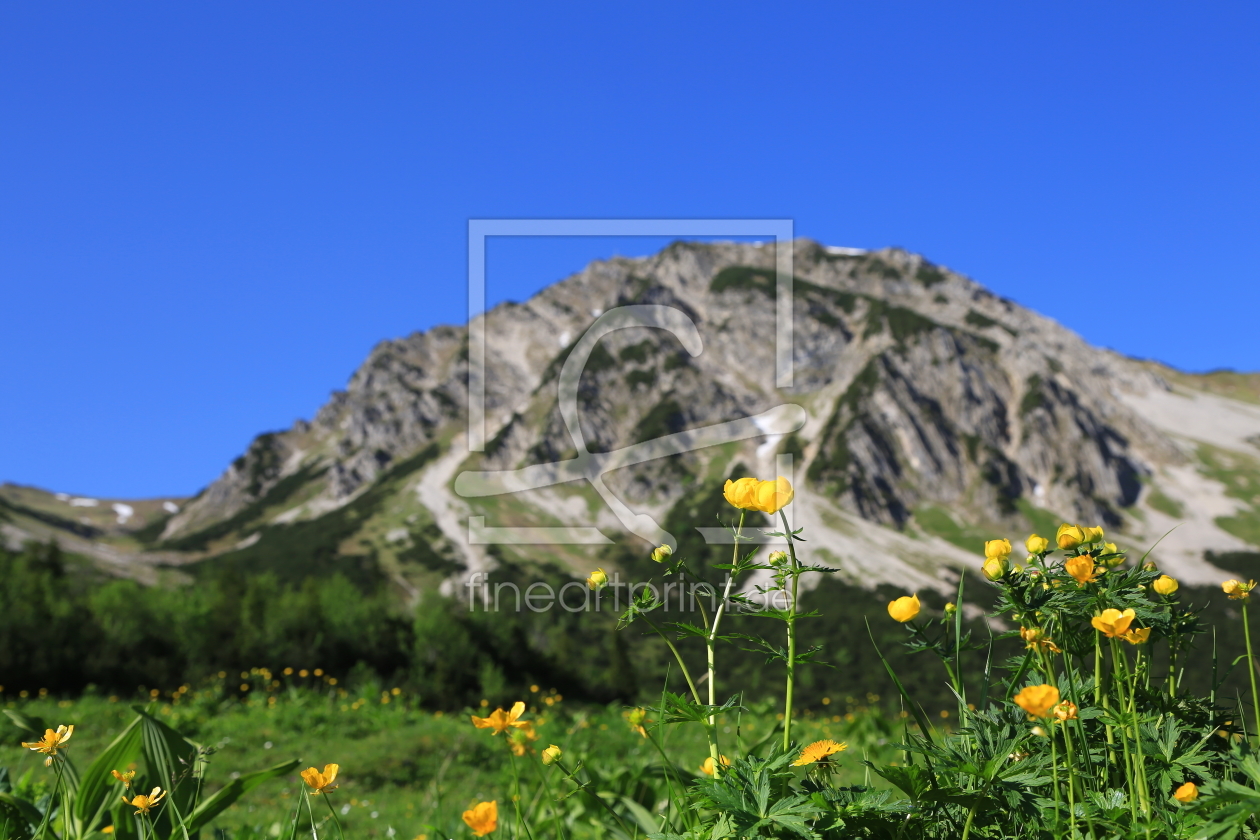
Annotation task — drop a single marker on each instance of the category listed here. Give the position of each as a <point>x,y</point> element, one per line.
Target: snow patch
<point>844,252</point>
<point>564,338</point>
<point>124,512</point>
<point>766,449</point>
<point>82,502</point>
<point>170,507</point>
<point>62,497</point>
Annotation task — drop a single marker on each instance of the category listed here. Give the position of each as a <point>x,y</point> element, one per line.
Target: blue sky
<point>209,213</point>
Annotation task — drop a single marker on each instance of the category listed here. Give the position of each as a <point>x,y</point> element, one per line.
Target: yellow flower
<point>1066,710</point>
<point>552,754</point>
<point>482,818</point>
<point>125,778</point>
<point>1093,535</point>
<point>636,718</point>
<point>742,493</point>
<point>819,752</point>
<point>51,742</point>
<point>597,580</point>
<point>661,552</point>
<point>1036,544</point>
<point>1186,793</point>
<point>1165,585</point>
<point>520,739</point>
<point>1137,636</point>
<point>950,609</point>
<point>1069,536</point>
<point>774,495</point>
<point>501,721</point>
<point>707,767</point>
<point>904,608</point>
<point>1038,700</point>
<point>997,549</point>
<point>995,568</point>
<point>1235,590</point>
<point>321,782</point>
<point>1113,623</point>
<point>143,803</point>
<point>1082,569</point>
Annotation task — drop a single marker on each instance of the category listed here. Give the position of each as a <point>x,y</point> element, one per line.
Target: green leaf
<point>234,790</point>
<point>95,790</point>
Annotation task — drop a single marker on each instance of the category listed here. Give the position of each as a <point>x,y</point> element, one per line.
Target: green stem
<point>1054,770</point>
<point>791,630</point>
<point>551,801</point>
<point>516,799</point>
<point>1071,762</point>
<point>585,788</point>
<point>43,825</point>
<point>695,692</point>
<point>711,641</point>
<point>1129,767</point>
<point>336,819</point>
<point>1251,668</point>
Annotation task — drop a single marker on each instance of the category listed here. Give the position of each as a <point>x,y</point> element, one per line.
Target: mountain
<point>932,415</point>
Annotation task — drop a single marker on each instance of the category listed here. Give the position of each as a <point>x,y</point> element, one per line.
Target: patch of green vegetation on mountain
<point>315,547</point>
<point>976,319</point>
<point>902,323</point>
<point>939,522</point>
<point>79,529</point>
<point>1240,474</point>
<point>929,275</point>
<point>638,352</point>
<point>832,461</point>
<point>1033,398</point>
<point>251,513</point>
<point>1163,504</point>
<point>664,418</point>
<point>744,278</point>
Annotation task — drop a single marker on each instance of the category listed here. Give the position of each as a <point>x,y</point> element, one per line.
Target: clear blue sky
<point>210,212</point>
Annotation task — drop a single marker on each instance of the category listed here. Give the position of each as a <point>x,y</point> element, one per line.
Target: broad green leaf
<point>97,788</point>
<point>234,790</point>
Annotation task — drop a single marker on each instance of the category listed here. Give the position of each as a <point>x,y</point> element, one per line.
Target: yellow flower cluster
<point>754,494</point>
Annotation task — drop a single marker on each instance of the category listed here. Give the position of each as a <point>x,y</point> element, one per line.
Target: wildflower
<point>125,778</point>
<point>321,782</point>
<point>819,752</point>
<point>708,766</point>
<point>597,580</point>
<point>904,608</point>
<point>950,609</point>
<point>1112,556</point>
<point>482,818</point>
<point>1238,591</point>
<point>1137,636</point>
<point>1036,544</point>
<point>772,496</point>
<point>1069,536</point>
<point>741,493</point>
<point>1066,710</point>
<point>778,558</point>
<point>997,549</point>
<point>1035,637</point>
<point>552,754</point>
<point>1186,793</point>
<point>1081,568</point>
<point>51,742</point>
<point>501,721</point>
<point>1037,700</point>
<point>1093,535</point>
<point>1113,622</point>
<point>636,718</point>
<point>143,803</point>
<point>520,739</point>
<point>1165,585</point>
<point>661,552</point>
<point>995,568</point>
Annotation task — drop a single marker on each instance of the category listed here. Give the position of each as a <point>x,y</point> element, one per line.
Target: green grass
<point>407,769</point>
<point>1163,504</point>
<point>1240,474</point>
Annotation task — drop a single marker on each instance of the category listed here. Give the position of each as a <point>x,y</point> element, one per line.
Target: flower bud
<point>597,580</point>
<point>950,609</point>
<point>551,754</point>
<point>995,569</point>
<point>661,552</point>
<point>1165,585</point>
<point>1036,544</point>
<point>997,549</point>
<point>1093,535</point>
<point>778,558</point>
<point>904,608</point>
<point>1069,536</point>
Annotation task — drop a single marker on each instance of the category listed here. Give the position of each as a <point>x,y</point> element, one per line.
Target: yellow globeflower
<point>820,752</point>
<point>1165,585</point>
<point>143,803</point>
<point>552,754</point>
<point>1187,792</point>
<point>501,721</point>
<point>771,496</point>
<point>741,493</point>
<point>597,580</point>
<point>708,766</point>
<point>1238,591</point>
<point>1082,569</point>
<point>997,549</point>
<point>1036,544</point>
<point>1093,535</point>
<point>51,742</point>
<point>1069,536</point>
<point>321,782</point>
<point>904,608</point>
<point>1038,700</point>
<point>482,818</point>
<point>1113,623</point>
<point>995,568</point>
<point>661,552</point>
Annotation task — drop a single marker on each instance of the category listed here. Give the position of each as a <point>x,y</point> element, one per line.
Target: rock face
<point>935,409</point>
